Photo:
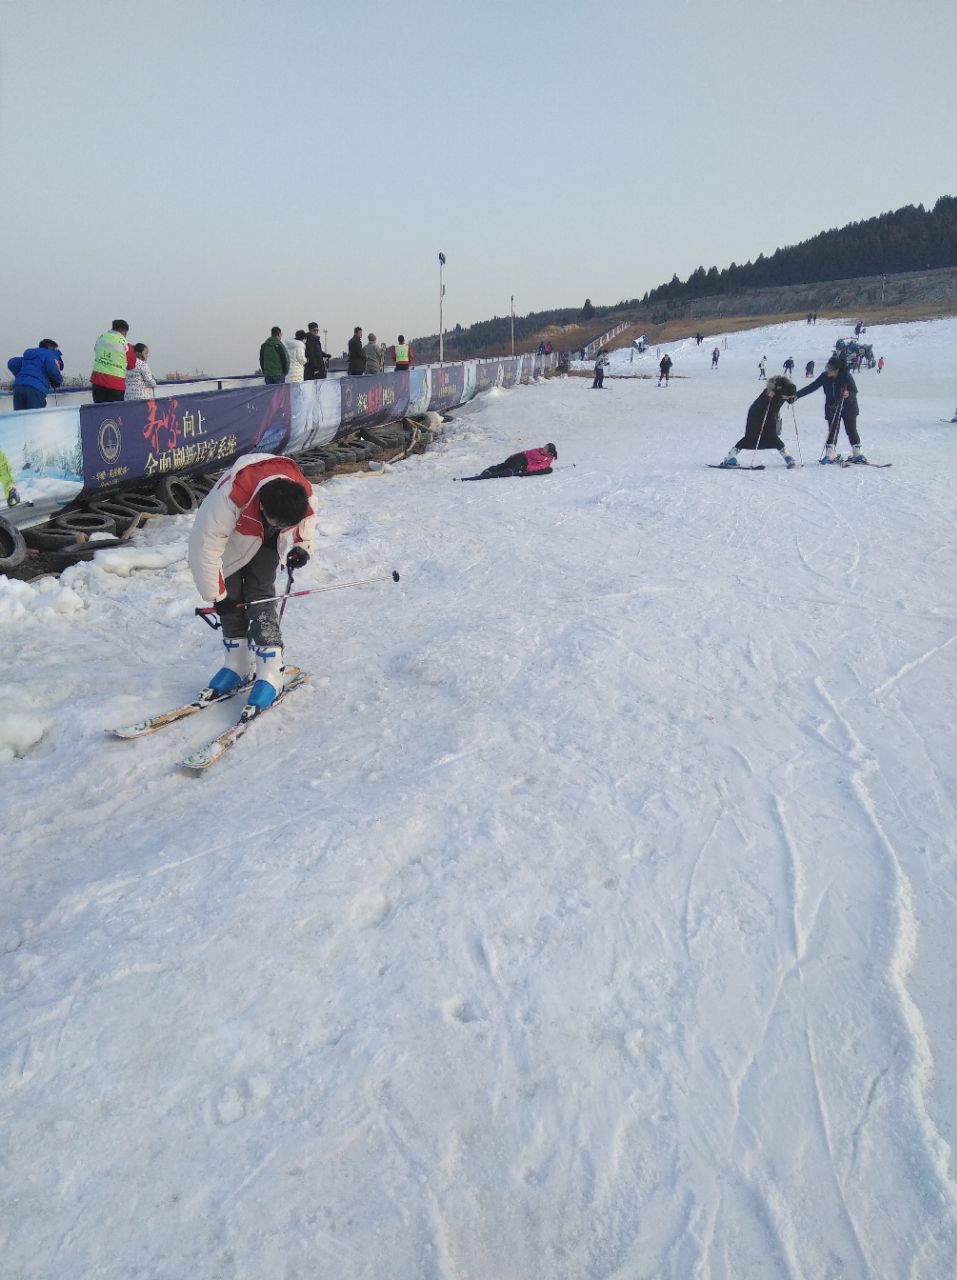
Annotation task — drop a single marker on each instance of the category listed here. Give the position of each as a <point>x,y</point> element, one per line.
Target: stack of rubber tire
<point>69,537</point>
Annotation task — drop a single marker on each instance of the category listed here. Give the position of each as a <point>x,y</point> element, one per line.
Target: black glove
<point>297,557</point>
<point>12,498</point>
<point>225,606</point>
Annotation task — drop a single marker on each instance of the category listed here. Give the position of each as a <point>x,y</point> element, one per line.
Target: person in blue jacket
<point>36,373</point>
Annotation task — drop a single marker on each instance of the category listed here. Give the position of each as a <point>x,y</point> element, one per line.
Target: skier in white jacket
<point>260,514</point>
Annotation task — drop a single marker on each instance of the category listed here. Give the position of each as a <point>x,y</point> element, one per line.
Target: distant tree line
<point>909,239</point>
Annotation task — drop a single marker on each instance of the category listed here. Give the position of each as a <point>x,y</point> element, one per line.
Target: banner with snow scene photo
<point>133,440</point>
<point>487,374</point>
<point>41,469</point>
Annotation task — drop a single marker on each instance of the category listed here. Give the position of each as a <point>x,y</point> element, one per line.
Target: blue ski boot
<point>235,671</point>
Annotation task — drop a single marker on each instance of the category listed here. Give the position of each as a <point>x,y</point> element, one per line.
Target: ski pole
<point>208,612</point>
<point>797,434</point>
<point>285,599</point>
<point>834,429</point>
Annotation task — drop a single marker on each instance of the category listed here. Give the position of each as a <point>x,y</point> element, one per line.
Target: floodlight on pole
<point>441,324</point>
<point>512,309</point>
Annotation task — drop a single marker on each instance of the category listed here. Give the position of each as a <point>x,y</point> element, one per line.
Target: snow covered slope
<point>591,913</point>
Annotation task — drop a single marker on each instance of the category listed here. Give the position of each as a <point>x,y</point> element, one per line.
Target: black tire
<point>147,503</point>
<point>121,516</point>
<point>13,549</point>
<point>177,495</point>
<point>47,537</point>
<point>314,467</point>
<point>75,522</point>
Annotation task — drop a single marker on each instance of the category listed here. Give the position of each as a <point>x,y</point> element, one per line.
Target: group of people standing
<point>302,358</point>
<point>120,370</point>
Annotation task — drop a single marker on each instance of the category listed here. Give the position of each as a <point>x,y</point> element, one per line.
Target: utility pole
<point>513,323</point>
<point>441,322</point>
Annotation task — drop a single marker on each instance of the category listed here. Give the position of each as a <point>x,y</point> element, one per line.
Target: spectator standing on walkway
<point>375,357</point>
<point>315,356</point>
<point>357,355</point>
<point>297,356</point>
<point>273,357</point>
<point>35,374</point>
<point>140,383</point>
<point>403,353</point>
<point>112,357</point>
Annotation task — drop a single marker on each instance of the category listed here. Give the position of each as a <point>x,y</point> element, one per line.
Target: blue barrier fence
<point>52,458</point>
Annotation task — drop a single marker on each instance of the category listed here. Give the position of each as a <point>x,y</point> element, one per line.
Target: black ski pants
<point>255,581</point>
<point>849,418</point>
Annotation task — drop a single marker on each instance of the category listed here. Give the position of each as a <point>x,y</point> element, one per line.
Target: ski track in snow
<point>588,915</point>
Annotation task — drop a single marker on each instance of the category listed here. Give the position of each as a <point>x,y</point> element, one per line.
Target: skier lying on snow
<point>763,427</point>
<point>261,513</point>
<point>531,462</point>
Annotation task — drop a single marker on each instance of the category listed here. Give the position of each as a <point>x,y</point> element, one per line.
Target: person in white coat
<point>297,356</point>
<point>140,383</point>
<point>260,514</point>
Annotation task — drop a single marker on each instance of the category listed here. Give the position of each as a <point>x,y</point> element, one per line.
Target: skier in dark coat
<point>763,427</point>
<point>840,404</point>
<point>664,369</point>
<point>809,369</point>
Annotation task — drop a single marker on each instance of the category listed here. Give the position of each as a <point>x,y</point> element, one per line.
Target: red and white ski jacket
<point>228,529</point>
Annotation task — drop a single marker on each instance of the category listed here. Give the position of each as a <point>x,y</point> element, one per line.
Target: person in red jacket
<point>530,462</point>
<point>260,514</point>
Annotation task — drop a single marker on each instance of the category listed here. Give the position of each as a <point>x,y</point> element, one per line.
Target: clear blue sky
<point>209,169</point>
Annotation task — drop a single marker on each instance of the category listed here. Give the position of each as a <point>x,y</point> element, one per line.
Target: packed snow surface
<point>589,914</point>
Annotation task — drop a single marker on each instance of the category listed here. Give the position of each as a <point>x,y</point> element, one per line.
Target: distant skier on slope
<point>664,369</point>
<point>763,367</point>
<point>260,514</point>
<point>600,365</point>
<point>715,357</point>
<point>530,462</point>
<point>763,426</point>
<point>809,369</point>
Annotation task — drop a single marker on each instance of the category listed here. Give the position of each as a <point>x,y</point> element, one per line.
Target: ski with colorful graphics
<point>215,750</point>
<point>719,466</point>
<point>206,698</point>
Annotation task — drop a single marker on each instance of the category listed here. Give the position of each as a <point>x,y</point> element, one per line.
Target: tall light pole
<point>513,323</point>
<point>325,338</point>
<point>441,325</point>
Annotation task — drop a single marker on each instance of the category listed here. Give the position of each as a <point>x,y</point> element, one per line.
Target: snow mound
<point>41,598</point>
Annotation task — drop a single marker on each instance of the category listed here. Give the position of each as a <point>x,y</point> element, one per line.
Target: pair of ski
<point>841,462</point>
<point>217,748</point>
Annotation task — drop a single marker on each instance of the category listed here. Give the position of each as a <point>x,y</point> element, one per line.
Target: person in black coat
<point>315,356</point>
<point>840,404</point>
<point>357,355</point>
<point>762,429</point>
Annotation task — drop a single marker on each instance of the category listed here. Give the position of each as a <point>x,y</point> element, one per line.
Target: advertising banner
<point>374,398</point>
<point>41,470</point>
<point>511,367</point>
<point>448,387</point>
<point>420,389</point>
<point>133,440</point>
<point>316,408</point>
<point>487,374</point>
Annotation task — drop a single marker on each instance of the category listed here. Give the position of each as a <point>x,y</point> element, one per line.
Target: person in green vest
<point>403,353</point>
<point>112,356</point>
<point>273,357</point>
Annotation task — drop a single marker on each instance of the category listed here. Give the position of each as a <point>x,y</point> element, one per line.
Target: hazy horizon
<point>208,172</point>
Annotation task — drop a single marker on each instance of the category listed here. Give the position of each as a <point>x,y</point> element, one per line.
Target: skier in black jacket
<point>763,427</point>
<point>840,404</point>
